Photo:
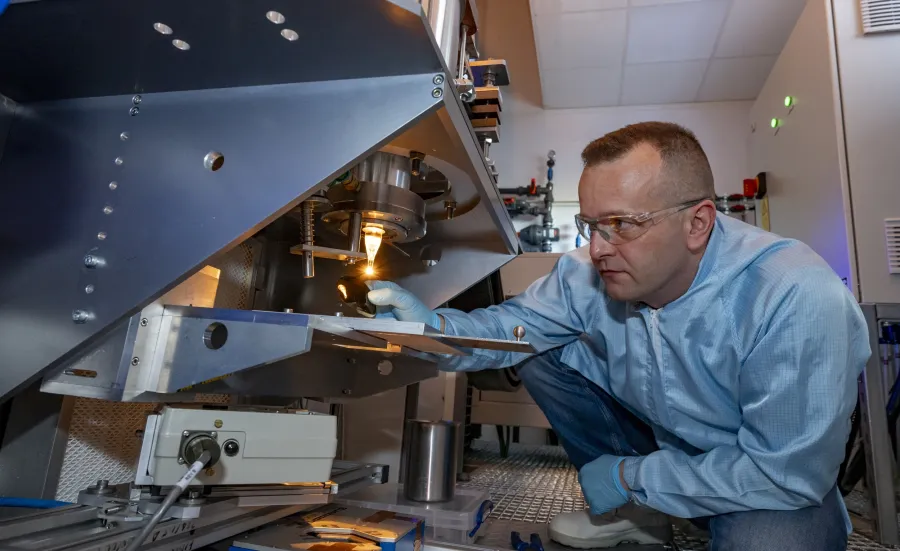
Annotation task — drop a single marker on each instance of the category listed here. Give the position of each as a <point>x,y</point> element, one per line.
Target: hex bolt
<point>80,316</point>
<point>438,80</point>
<point>436,93</point>
<point>136,99</point>
<point>135,360</point>
<point>134,111</point>
<point>214,434</point>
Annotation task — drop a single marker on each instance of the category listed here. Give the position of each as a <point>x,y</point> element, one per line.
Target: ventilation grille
<point>880,16</point>
<point>892,233</point>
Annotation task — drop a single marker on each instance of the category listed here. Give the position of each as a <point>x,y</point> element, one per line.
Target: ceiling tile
<point>651,83</point>
<point>586,39</point>
<point>758,27</point>
<point>675,32</point>
<point>594,87</point>
<point>642,3</point>
<point>548,7</point>
<point>737,78</point>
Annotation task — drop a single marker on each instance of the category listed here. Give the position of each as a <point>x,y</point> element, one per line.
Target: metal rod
<point>308,235</point>
<point>461,73</point>
<point>354,231</point>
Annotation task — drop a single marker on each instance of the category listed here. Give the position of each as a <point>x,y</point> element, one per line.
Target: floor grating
<point>535,483</point>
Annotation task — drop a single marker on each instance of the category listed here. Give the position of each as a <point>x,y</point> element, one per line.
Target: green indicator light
<point>775,123</point>
<point>789,101</point>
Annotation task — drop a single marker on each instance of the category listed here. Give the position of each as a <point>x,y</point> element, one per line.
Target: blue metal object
<point>483,512</point>
<point>534,543</point>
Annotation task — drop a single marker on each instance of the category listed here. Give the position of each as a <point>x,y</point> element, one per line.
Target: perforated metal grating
<point>102,439</point>
<point>535,483</point>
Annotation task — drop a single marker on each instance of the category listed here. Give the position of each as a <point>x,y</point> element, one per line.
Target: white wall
<point>804,159</point>
<point>529,132</point>
<point>870,81</point>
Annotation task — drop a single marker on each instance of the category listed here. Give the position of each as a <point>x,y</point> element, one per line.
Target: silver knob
<point>519,332</point>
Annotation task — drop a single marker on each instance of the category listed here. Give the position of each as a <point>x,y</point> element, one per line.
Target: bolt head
<point>438,80</point>
<point>80,316</point>
<point>124,136</point>
<point>218,423</point>
<point>185,433</point>
<point>136,99</point>
<point>214,434</point>
<point>134,111</point>
<point>347,392</point>
<point>436,93</point>
<point>135,360</point>
<point>144,322</point>
<point>181,461</point>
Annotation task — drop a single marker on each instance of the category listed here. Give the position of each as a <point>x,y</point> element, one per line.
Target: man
<point>692,365</point>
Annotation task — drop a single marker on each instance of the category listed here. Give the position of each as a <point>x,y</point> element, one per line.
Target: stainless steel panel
<point>169,214</point>
<point>47,57</point>
<point>880,464</point>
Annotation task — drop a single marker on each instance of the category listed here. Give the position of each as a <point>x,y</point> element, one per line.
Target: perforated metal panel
<point>104,442</point>
<point>535,483</point>
<point>879,16</point>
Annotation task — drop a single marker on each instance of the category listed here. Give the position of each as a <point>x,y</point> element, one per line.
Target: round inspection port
<point>213,161</point>
<point>215,336</point>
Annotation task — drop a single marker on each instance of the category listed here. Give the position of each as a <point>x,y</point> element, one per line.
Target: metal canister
<point>431,458</point>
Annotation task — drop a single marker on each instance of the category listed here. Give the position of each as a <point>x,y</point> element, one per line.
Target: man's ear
<point>701,222</point>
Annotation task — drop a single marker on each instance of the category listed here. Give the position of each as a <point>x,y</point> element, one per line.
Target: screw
<point>214,434</point>
<point>438,80</point>
<point>134,111</point>
<point>144,322</point>
<point>185,433</point>
<point>347,391</point>
<point>113,185</point>
<point>119,161</point>
<point>181,461</point>
<point>88,289</point>
<point>124,136</point>
<point>101,235</point>
<point>135,360</point>
<point>136,99</point>
<point>217,423</point>
<point>80,316</point>
<point>436,93</point>
<point>107,209</point>
<point>92,261</point>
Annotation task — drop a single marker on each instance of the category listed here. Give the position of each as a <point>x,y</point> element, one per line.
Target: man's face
<point>637,270</point>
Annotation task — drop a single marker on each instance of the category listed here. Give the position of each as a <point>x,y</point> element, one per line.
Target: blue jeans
<point>590,423</point>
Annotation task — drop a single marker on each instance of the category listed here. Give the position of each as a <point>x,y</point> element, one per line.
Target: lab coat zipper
<point>656,345</point>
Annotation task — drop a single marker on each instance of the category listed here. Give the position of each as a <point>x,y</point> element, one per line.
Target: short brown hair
<point>686,169</point>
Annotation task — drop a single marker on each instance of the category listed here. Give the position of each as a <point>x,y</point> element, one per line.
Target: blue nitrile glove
<point>601,485</point>
<point>393,301</point>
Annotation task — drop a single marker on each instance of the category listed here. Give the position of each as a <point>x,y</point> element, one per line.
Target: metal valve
<point>519,333</point>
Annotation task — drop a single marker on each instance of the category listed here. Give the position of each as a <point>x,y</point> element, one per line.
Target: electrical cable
<point>172,496</point>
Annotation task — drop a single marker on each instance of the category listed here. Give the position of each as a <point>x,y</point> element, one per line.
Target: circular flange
<point>400,212</point>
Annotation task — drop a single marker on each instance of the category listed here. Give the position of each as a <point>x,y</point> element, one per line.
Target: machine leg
<point>880,462</point>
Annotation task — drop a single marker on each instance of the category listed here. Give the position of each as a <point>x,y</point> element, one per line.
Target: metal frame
<point>136,210</point>
<point>880,462</point>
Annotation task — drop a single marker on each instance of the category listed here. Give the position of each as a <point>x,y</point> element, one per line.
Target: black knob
<point>231,448</point>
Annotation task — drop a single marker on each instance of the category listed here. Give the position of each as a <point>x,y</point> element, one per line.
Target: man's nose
<point>600,248</point>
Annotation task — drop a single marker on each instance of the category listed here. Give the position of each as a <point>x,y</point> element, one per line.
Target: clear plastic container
<point>455,521</point>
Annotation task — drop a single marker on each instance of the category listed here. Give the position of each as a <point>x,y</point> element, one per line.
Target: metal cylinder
<point>308,236</point>
<point>431,459</point>
<point>444,17</point>
<point>354,232</point>
<point>384,168</point>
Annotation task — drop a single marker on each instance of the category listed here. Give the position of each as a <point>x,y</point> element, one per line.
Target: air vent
<point>880,16</point>
<point>892,233</point>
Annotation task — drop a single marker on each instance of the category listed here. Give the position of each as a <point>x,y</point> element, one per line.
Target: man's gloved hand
<point>402,305</point>
<point>601,484</point>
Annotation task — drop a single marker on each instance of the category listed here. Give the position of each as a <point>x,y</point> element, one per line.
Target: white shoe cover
<point>630,523</point>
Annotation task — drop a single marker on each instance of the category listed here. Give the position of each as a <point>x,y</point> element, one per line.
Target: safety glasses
<point>621,228</point>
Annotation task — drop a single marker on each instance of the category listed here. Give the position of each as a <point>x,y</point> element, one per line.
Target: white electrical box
<point>257,447</point>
